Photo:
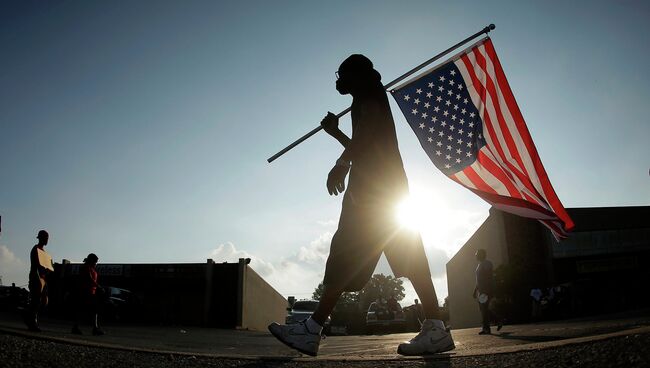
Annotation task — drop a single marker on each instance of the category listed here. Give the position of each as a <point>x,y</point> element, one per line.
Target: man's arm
<point>370,116</point>
<point>330,124</point>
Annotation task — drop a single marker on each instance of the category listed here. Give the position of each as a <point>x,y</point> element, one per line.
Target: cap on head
<point>356,63</point>
<point>92,258</point>
<point>356,73</point>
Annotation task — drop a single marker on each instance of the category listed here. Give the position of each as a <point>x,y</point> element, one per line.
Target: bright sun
<point>411,213</point>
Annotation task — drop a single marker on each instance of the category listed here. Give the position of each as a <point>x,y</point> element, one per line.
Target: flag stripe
<point>478,181</point>
<point>541,177</point>
<point>479,90</point>
<point>496,170</point>
<point>462,179</point>
<point>519,185</point>
<point>496,115</point>
<point>478,78</point>
<point>521,137</point>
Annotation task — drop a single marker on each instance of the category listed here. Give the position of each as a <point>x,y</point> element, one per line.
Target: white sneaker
<point>297,336</point>
<point>432,339</point>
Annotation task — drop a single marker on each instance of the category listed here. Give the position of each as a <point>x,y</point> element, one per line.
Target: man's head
<point>43,237</point>
<point>356,73</point>
<point>480,255</point>
<point>91,259</point>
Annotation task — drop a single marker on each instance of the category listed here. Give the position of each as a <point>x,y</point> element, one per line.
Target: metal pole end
<point>491,27</point>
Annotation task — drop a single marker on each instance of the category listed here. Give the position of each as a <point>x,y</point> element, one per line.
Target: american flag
<point>468,122</point>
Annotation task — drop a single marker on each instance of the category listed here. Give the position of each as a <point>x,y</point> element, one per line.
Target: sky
<point>140,130</point>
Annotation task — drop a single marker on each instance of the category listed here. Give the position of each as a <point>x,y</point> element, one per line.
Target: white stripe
<point>491,111</point>
<point>476,99</point>
<point>517,183</point>
<point>524,211</point>
<point>490,179</point>
<point>512,127</point>
<point>463,179</point>
<point>495,156</point>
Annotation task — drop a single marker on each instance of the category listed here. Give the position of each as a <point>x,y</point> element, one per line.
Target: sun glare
<point>411,214</point>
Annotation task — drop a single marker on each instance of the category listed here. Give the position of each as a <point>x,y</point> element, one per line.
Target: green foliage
<point>378,287</point>
<point>345,297</point>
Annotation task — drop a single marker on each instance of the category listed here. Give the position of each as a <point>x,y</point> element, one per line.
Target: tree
<point>347,297</point>
<point>378,287</point>
<point>381,287</point>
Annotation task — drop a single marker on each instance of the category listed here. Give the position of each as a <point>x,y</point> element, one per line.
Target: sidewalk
<point>255,345</point>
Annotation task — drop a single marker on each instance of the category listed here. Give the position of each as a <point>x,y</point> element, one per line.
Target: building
<point>598,269</point>
<point>224,295</point>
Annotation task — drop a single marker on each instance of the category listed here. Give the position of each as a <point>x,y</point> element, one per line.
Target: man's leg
<point>326,304</point>
<point>423,286</point>
<point>495,317</point>
<point>485,316</point>
<point>35,298</point>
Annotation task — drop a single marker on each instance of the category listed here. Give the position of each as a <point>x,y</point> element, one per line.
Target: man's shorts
<point>364,233</point>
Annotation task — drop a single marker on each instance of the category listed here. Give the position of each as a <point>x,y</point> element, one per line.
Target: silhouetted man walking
<point>484,291</point>
<point>40,266</point>
<point>368,225</point>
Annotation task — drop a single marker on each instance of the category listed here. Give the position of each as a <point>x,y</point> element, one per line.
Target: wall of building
<point>598,269</point>
<point>223,295</point>
<point>261,304</point>
<point>461,277</point>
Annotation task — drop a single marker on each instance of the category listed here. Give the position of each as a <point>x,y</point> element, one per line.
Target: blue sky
<point>140,130</point>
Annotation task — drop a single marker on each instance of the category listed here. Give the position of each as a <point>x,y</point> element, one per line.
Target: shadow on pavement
<point>511,336</point>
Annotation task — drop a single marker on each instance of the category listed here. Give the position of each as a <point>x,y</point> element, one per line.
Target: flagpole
<point>387,87</point>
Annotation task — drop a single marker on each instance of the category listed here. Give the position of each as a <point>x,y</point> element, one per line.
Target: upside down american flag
<point>468,122</point>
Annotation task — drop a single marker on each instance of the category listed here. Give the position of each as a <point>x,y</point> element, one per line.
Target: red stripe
<point>509,98</point>
<point>557,230</point>
<point>509,139</point>
<point>514,152</point>
<point>487,123</point>
<point>498,173</point>
<point>515,202</point>
<point>478,182</point>
<point>497,200</point>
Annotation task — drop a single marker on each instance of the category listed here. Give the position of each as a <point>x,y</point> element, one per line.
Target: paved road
<point>248,344</point>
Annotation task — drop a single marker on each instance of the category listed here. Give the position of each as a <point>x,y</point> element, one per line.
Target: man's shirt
<point>484,278</point>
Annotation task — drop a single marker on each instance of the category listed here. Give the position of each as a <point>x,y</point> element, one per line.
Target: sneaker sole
<point>310,353</point>
<point>445,349</point>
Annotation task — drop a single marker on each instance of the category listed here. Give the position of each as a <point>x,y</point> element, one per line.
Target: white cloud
<point>328,223</point>
<point>317,251</point>
<point>296,275</point>
<point>228,253</point>
<point>12,268</point>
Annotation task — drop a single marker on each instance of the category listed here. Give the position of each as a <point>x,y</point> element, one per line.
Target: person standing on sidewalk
<point>368,226</point>
<point>484,291</point>
<point>87,300</point>
<point>40,267</point>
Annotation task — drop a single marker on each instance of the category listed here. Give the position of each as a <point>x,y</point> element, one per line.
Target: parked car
<point>303,309</point>
<point>385,317</point>
<point>120,304</point>
<point>13,298</point>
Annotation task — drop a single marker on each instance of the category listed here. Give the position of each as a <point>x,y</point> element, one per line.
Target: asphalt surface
<point>625,351</point>
<point>613,341</point>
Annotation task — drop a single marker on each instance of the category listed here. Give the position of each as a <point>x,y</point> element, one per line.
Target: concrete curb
<point>445,356</point>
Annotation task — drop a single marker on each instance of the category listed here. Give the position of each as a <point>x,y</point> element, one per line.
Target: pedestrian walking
<point>367,226</point>
<point>87,301</point>
<point>40,266</point>
<point>484,291</point>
